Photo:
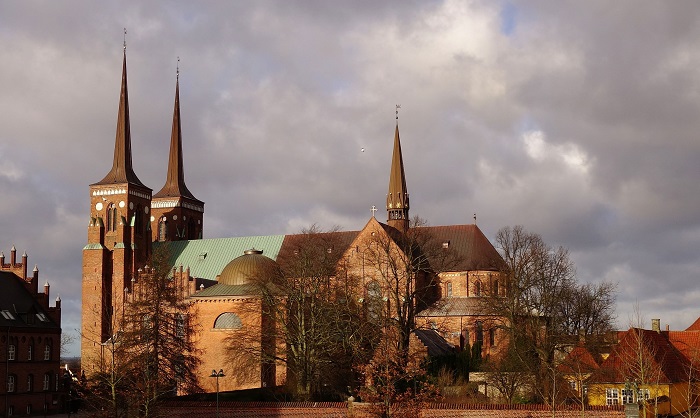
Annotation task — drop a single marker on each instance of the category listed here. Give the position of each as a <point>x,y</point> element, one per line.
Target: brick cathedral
<point>127,220</point>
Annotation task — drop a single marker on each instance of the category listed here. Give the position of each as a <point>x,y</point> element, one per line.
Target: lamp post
<point>217,375</point>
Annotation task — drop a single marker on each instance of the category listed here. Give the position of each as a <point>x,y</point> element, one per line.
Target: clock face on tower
<point>98,206</point>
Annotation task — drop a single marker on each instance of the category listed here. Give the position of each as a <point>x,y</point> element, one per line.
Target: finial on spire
<point>398,106</point>
<point>177,70</point>
<point>475,219</point>
<point>125,39</point>
<point>374,209</point>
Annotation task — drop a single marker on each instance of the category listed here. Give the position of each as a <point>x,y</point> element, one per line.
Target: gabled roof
<point>688,343</point>
<point>20,307</point>
<point>579,360</point>
<point>695,326</point>
<point>206,258</point>
<point>660,360</point>
<point>336,242</point>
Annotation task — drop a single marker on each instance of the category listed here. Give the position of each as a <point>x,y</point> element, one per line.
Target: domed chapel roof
<point>242,270</point>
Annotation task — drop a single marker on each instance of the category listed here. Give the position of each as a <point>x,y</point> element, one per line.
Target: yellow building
<point>656,369</point>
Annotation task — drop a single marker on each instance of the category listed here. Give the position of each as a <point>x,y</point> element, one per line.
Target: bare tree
<point>312,316</point>
<point>544,305</point>
<point>151,352</point>
<point>402,270</point>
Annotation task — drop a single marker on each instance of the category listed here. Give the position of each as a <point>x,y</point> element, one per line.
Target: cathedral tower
<point>118,239</point>
<point>397,198</point>
<point>177,214</point>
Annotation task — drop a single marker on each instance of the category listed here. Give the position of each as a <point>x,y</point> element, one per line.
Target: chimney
<point>656,325</point>
<point>13,256</point>
<point>2,258</point>
<point>24,266</point>
<point>35,279</point>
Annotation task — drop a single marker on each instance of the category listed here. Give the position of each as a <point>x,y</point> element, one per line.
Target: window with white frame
<point>449,289</point>
<point>612,396</point>
<point>627,396</point>
<point>11,383</point>
<point>30,383</point>
<point>47,381</point>
<point>11,350</point>
<point>30,348</point>
<point>47,352</point>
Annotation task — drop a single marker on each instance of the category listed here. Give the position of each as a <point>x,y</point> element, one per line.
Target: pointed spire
<point>397,203</point>
<point>122,171</point>
<point>175,182</point>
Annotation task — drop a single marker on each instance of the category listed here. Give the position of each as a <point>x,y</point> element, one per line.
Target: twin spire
<point>122,170</point>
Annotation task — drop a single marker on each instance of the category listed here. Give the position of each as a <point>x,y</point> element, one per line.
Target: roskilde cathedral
<point>126,219</point>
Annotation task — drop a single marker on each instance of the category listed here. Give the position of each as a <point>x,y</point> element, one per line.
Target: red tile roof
<point>659,357</point>
<point>579,360</point>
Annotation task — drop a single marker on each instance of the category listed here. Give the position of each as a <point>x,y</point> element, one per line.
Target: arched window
<point>448,289</point>
<point>162,229</point>
<point>192,229</point>
<point>11,350</point>
<point>228,320</point>
<point>492,337</point>
<point>477,288</point>
<point>138,221</point>
<point>374,300</point>
<point>464,339</point>
<point>47,352</point>
<point>11,379</point>
<point>111,217</point>
<point>30,383</point>
<point>495,287</point>
<point>30,351</point>
<point>479,332</point>
<point>180,325</point>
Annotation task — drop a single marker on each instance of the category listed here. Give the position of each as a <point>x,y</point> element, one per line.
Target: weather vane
<point>398,106</point>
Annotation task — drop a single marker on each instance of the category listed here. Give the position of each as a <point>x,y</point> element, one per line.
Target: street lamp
<point>217,375</point>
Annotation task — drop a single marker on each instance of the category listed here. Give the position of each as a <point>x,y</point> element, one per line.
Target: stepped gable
<point>24,309</point>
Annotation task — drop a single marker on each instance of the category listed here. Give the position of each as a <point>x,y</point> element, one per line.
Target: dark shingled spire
<point>122,171</point>
<point>175,183</point>
<point>397,199</point>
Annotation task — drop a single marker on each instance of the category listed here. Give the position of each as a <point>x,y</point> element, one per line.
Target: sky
<point>577,120</point>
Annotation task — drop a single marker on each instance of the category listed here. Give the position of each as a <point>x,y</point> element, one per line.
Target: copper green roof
<point>207,258</point>
<point>249,289</point>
